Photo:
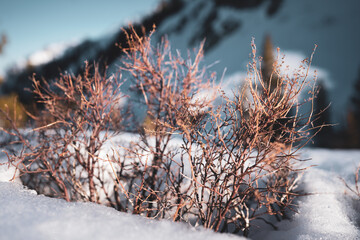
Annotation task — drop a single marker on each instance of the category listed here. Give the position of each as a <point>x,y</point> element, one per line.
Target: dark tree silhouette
<point>353,117</point>
<point>322,111</point>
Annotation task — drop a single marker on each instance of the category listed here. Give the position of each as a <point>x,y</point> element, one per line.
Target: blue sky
<point>32,25</point>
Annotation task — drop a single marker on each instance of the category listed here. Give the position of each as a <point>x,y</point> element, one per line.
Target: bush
<point>64,162</point>
<point>236,162</point>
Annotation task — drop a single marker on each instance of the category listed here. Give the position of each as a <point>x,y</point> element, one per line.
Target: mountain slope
<point>296,26</point>
<point>228,26</point>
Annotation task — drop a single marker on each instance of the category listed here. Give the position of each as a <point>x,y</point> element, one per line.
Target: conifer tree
<point>322,111</point>
<point>270,79</point>
<point>353,117</point>
<point>356,97</point>
<point>3,41</point>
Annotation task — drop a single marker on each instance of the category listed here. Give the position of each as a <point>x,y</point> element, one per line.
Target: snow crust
<point>26,215</point>
<point>327,212</point>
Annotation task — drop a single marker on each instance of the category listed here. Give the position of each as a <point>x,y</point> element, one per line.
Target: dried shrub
<point>237,162</point>
<point>217,166</point>
<point>244,166</point>
<point>64,158</point>
<point>170,88</point>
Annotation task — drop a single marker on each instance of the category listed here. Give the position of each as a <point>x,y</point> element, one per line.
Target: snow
<point>322,215</point>
<point>49,53</point>
<point>26,215</point>
<point>327,213</point>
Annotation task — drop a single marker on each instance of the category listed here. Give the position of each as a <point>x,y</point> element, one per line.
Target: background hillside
<point>228,27</point>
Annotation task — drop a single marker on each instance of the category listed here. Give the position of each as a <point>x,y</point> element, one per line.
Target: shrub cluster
<point>217,166</point>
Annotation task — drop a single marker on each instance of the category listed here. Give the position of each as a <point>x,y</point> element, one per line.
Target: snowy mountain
<point>228,26</point>
<point>295,26</point>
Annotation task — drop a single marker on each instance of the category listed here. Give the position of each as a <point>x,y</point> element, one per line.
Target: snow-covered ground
<point>26,215</point>
<point>330,212</point>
